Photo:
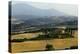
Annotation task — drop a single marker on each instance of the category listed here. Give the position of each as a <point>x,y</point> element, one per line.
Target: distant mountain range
<point>25,16</point>
<point>25,9</point>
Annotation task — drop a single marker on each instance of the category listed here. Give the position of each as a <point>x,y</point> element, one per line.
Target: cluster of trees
<point>43,37</point>
<point>47,34</point>
<point>19,40</point>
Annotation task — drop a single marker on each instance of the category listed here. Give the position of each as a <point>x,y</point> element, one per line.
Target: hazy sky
<point>66,8</point>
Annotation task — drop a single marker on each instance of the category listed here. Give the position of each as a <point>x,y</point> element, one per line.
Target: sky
<point>66,8</point>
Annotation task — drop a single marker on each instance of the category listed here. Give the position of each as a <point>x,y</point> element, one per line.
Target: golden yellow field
<point>41,44</point>
<point>25,35</point>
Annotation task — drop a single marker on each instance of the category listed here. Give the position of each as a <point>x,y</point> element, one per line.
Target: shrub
<point>74,47</point>
<point>49,47</point>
